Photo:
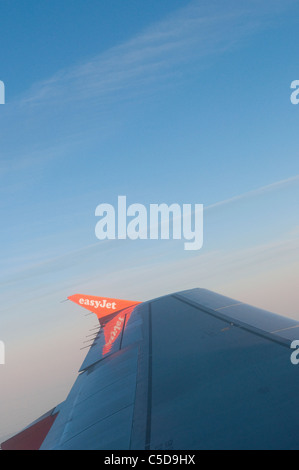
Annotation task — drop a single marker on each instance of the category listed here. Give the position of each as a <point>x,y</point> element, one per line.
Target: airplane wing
<point>191,370</point>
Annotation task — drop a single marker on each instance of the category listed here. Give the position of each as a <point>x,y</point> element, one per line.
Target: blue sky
<point>185,102</point>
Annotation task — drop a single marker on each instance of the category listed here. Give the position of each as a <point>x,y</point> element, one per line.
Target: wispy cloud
<point>76,102</point>
<point>256,192</point>
<point>198,30</point>
<point>30,268</point>
<point>195,31</point>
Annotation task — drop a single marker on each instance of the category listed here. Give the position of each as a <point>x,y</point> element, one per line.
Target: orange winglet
<point>101,306</point>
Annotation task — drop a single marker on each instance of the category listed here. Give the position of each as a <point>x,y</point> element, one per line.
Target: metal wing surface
<point>191,370</point>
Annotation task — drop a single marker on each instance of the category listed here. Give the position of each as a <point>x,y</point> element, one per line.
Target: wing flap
<point>33,436</point>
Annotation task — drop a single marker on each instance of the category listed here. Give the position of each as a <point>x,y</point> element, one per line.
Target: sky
<point>168,102</point>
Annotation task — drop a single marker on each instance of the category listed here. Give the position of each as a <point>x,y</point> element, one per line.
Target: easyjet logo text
<point>98,303</point>
<point>112,331</point>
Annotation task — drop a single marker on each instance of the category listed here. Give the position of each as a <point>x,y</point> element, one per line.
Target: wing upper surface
<point>192,370</point>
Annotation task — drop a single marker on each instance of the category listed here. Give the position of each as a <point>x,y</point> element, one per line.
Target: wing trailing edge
<point>33,436</point>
